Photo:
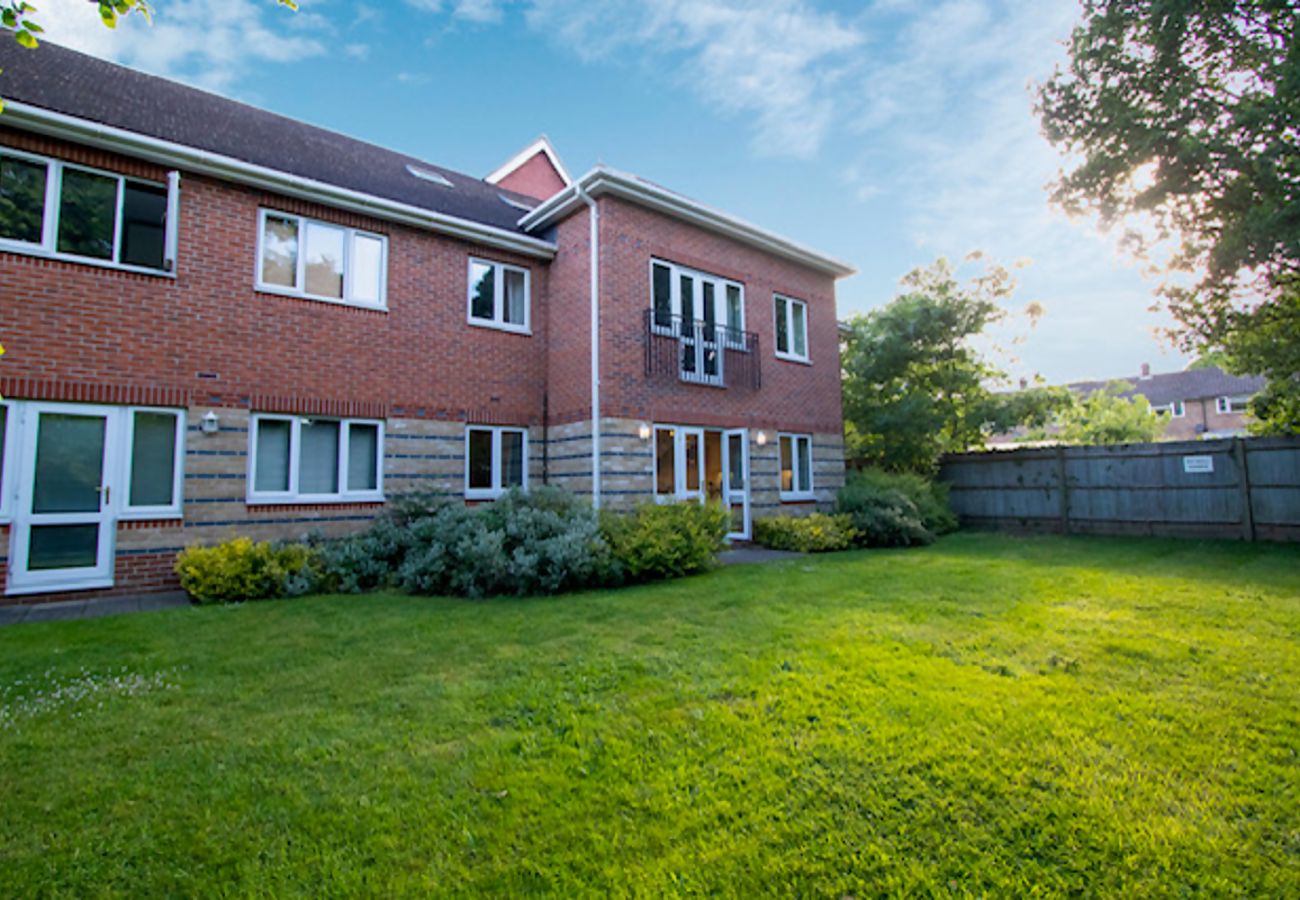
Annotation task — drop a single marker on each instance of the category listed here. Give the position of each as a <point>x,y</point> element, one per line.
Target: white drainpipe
<point>595,344</point>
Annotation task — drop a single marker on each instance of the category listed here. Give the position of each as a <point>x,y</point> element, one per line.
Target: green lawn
<point>985,716</point>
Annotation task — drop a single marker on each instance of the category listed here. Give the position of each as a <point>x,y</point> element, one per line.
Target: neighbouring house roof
<point>1192,384</point>
<point>606,181</point>
<point>62,81</point>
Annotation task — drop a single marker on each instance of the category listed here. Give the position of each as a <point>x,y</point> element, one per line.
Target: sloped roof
<point>1191,384</point>
<point>64,81</point>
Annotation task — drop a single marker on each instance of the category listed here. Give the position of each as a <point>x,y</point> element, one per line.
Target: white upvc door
<point>735,481</point>
<point>690,464</point>
<point>64,526</point>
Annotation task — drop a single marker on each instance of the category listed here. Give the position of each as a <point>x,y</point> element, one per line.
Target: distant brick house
<point>223,322</point>
<point>1207,402</point>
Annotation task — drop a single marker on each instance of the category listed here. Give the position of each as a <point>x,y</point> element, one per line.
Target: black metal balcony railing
<point>701,352</point>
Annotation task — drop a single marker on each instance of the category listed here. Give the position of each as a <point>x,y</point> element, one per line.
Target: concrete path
<point>754,554</point>
<point>90,609</point>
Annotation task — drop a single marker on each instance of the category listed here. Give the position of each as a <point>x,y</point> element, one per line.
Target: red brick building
<point>222,322</point>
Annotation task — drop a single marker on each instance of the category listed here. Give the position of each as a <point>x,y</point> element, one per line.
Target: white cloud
<point>776,61</point>
<point>188,39</point>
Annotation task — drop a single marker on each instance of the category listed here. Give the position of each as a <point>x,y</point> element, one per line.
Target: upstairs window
<point>796,466</point>
<point>496,459</point>
<point>296,459</point>
<point>694,296</point>
<point>307,258</point>
<point>498,295</point>
<point>791,328</point>
<point>53,208</point>
<point>1225,405</point>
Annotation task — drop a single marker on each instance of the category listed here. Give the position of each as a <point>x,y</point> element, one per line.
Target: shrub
<point>816,533</point>
<point>882,517</point>
<point>929,497</point>
<point>666,540</point>
<point>541,542</point>
<point>242,570</point>
<point>364,561</point>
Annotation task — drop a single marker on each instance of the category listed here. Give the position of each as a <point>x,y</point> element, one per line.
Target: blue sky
<point>885,133</point>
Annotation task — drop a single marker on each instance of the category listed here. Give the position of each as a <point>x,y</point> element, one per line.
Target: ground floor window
<point>496,459</point>
<point>796,466</point>
<point>308,459</point>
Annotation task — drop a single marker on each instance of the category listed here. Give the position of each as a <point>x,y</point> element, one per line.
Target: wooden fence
<point>1242,488</point>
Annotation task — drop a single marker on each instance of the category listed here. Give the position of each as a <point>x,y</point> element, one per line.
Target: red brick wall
<point>78,324</point>
<point>535,178</point>
<point>794,396</point>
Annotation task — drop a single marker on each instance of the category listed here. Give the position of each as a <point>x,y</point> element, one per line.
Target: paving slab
<point>90,609</point>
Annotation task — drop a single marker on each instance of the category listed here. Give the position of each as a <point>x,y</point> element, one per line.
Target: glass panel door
<point>63,524</point>
<point>735,482</point>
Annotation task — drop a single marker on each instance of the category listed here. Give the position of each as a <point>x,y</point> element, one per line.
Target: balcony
<point>697,351</point>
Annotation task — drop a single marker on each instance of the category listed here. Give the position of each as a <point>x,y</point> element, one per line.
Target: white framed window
<point>8,457</point>
<point>795,452</point>
<point>1175,410</point>
<point>302,459</point>
<point>791,321</point>
<point>52,208</point>
<point>692,295</point>
<point>498,296</point>
<point>301,257</point>
<point>1226,405</point>
<point>496,459</point>
<point>154,463</point>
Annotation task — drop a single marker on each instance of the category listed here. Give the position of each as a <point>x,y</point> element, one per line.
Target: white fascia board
<point>129,143</point>
<point>601,180</point>
<point>541,145</point>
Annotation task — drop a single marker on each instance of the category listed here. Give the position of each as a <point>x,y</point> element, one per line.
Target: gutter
<point>594,239</point>
<point>602,180</point>
<point>108,137</point>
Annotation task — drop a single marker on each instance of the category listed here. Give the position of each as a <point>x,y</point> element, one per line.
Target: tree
<point>1107,417</point>
<point>1266,340</point>
<point>914,386</point>
<point>1188,112</point>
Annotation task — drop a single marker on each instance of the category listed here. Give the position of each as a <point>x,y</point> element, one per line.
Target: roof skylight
<point>428,175</point>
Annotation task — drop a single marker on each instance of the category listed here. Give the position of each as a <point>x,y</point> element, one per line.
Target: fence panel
<point>1247,489</point>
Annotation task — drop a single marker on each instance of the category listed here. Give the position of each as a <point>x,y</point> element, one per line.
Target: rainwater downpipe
<point>595,343</point>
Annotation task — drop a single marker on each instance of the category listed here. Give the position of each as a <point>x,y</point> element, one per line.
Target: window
<point>296,459</point>
<point>498,295</point>
<point>1225,405</point>
<point>691,295</point>
<point>796,466</point>
<point>53,208</point>
<point>157,448</point>
<point>1175,409</point>
<point>791,328</point>
<point>306,258</point>
<point>496,459</point>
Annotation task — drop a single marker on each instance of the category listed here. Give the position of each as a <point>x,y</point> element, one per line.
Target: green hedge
<point>817,533</point>
<point>542,542</point>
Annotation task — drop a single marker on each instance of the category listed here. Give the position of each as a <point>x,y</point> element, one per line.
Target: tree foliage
<point>1266,341</point>
<point>916,388</point>
<point>1188,111</point>
<point>1108,417</point>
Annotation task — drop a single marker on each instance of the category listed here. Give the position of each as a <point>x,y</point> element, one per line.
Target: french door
<point>693,463</point>
<point>735,481</point>
<point>63,524</point>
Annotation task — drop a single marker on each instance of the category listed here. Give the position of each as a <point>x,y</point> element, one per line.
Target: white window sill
<point>314,499</point>
<point>500,326</point>
<point>277,291</point>
<point>146,515</point>
<point>60,587</point>
<point>796,498</point>
<point>40,253</point>
<point>790,357</point>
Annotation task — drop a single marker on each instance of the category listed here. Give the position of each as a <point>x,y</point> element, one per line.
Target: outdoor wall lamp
<point>644,431</point>
<point>210,422</point>
<point>761,438</point>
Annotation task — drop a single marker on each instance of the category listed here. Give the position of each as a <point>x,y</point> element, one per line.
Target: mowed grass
<point>986,716</point>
